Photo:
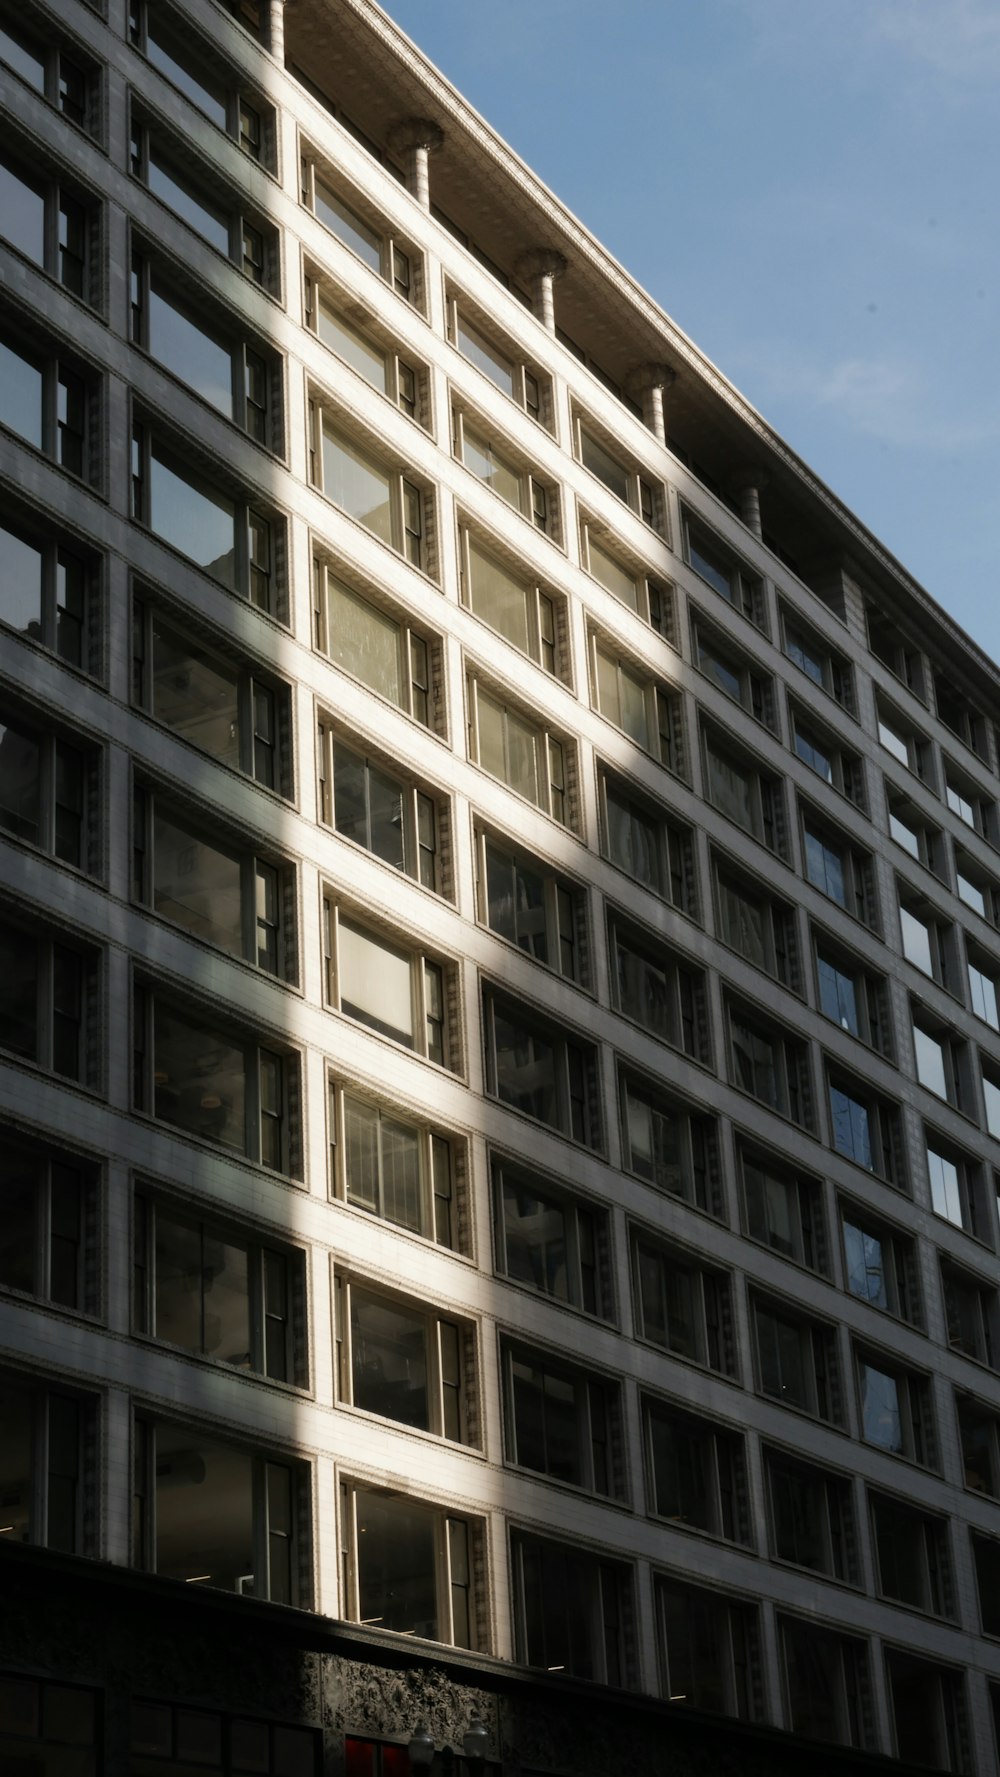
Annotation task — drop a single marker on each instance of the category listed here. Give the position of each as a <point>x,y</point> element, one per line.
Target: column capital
<point>409,133</point>
<point>542,262</point>
<point>752,476</point>
<point>643,377</point>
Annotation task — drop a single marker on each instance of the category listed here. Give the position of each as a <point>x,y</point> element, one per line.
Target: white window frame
<point>409,496</point>
<point>433,1324</point>
<point>552,749</point>
<point>406,384</point>
<point>440,1212</point>
<point>400,263</point>
<point>422,1009</point>
<point>544,611</point>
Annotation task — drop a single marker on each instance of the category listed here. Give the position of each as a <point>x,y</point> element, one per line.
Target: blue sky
<point>810,189</point>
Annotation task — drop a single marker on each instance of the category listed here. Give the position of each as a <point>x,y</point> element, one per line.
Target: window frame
<point>654,597</point>
<point>410,497</point>
<point>53,1016</point>
<point>555,772</point>
<point>406,383</point>
<point>61,750</point>
<point>609,1582</point>
<point>597,1415</point>
<point>803,1213</point>
<point>45,1496</point>
<point>663,707</point>
<point>71,402</point>
<point>401,262</point>
<point>432,1009</point>
<point>425,812</point>
<point>258,529</point>
<point>564,907</point>
<point>818,1359</point>
<point>252,244</point>
<point>766,811</point>
<point>73,225</point>
<point>545,610</point>
<point>537,495</point>
<point>810,740</point>
<point>645,494</point>
<point>69,627</point>
<point>747,591</point>
<point>791,1068</point>
<point>419,652</point>
<point>451,1391</point>
<point>60,56</point>
<point>443,1211</point>
<point>678,1013</point>
<point>833,1513</point>
<point>853,1703</point>
<point>731,1627</point>
<point>575,1082</point>
<point>914,1406</point>
<point>444,1567</point>
<point>586,1239</point>
<point>855,867</point>
<point>754,691</point>
<point>673,846</point>
<point>711,1339</point>
<point>63,1258</point>
<point>236,98</point>
<point>900,1275</point>
<point>870,992</point>
<point>883,1122</point>
<point>778,921</point>
<point>697,1154</point>
<point>531,387</point>
<point>835,674</point>
<point>717,1480</point>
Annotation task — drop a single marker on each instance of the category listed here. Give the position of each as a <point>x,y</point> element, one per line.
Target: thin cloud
<point>959,39</point>
<point>884,398</point>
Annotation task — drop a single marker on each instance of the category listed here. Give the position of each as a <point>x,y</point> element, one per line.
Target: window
<point>187,60</point>
<point>197,195</point>
<point>906,744</point>
<point>911,1553</point>
<point>524,901</point>
<point>372,355</point>
<point>772,1067</point>
<point>866,1128</point>
<point>49,788</point>
<point>670,1146</point>
<point>51,221</point>
<point>826,755</point>
<point>215,1082</point>
<point>972,1314</point>
<point>991,1097</point>
<point>965,799</point>
<point>220,704</point>
<point>173,1732</point>
<point>41,1720</point>
<point>368,238</point>
<point>44,1483</point>
<point>840,869</point>
<point>624,480</point>
<point>880,1265</point>
<point>979,1431</point>
<point>211,1290</point>
<point>551,1241</point>
<point>696,1473</point>
<point>928,940</point>
<point>927,1708</point>
<point>572,1611</point>
<point>382,650</point>
<point>745,793</point>
<point>500,466</point>
<point>653,849</point>
<point>709,1650</point>
<point>241,1530</point>
<point>986,1555</point>
<point>49,1239</point>
<point>216,527</point>
<point>50,593</point>
<point>893,647</point>
<point>909,827</point>
<point>956,1185</point>
<point>732,674</point>
<point>68,82</point>
<point>813,655</point>
<point>397,1169</point>
<point>378,495</point>
<point>626,580</point>
<point>683,1307</point>
<point>784,1210</point>
<point>213,888</point>
<point>983,977</point>
<point>644,710</point>
<point>50,1010</point>
<point>941,1058</point>
<point>400,1360</point>
<point>812,1517</point>
<point>411,1568</point>
<point>721,569</point>
<point>562,1422</point>
<point>394,990</point>
<point>390,816</point>
<point>756,924</point>
<point>658,991</point>
<point>235,376</point>
<point>961,716</point>
<point>797,1361</point>
<point>895,1409</point>
<point>48,402</point>
<point>529,387</point>
<point>852,995</point>
<point>518,751</point>
<point>536,1067</point>
<point>531,620</point>
<point>976,887</point>
<point>827,1687</point>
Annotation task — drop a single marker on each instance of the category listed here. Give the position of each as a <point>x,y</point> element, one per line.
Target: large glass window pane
<point>21,395</point>
<point>633,842</point>
<point>202,1291</point>
<point>375,982</point>
<point>397,1566</point>
<point>866,1265</point>
<point>480,352</point>
<point>19,1000</point>
<point>204,1511</point>
<point>601,463</point>
<point>825,868</point>
<point>837,995</point>
<point>195,518</point>
<point>498,598</point>
<point>199,1079</point>
<point>369,360</point>
<point>526,1069</point>
<point>194,696</point>
<point>881,1416</point>
<point>23,58</point>
<point>20,769</point>
<point>357,483</point>
<point>612,576</point>
<point>916,941</point>
<point>400,1163</point>
<point>479,455</point>
<point>185,70</point>
<point>348,226</point>
<point>946,1188</point>
<point>211,222</point>
<point>184,346</point>
<point>930,1062</point>
<point>22,213</point>
<point>17,1418</point>
<point>852,1133</point>
<point>516,902</point>
<point>364,641</point>
<point>389,1360</point>
<point>197,885</point>
<point>731,789</point>
<point>20,579</point>
<point>536,1239</point>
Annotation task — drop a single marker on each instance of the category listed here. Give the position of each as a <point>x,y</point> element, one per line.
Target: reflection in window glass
<point>194,696</point>
<point>21,395</point>
<point>22,213</point>
<point>357,483</point>
<point>357,351</point>
<point>199,1079</point>
<point>348,226</point>
<point>375,982</point>
<point>195,518</point>
<point>881,1416</point>
<point>184,346</point>
<point>486,358</point>
<point>397,1565</point>
<point>187,202</point>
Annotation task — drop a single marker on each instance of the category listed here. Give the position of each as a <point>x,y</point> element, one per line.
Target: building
<point>500,897</point>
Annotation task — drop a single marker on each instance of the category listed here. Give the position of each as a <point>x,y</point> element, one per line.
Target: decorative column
<point>748,486</point>
<point>540,267</point>
<point>415,139</point>
<point>276,30</point>
<point>650,382</point>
